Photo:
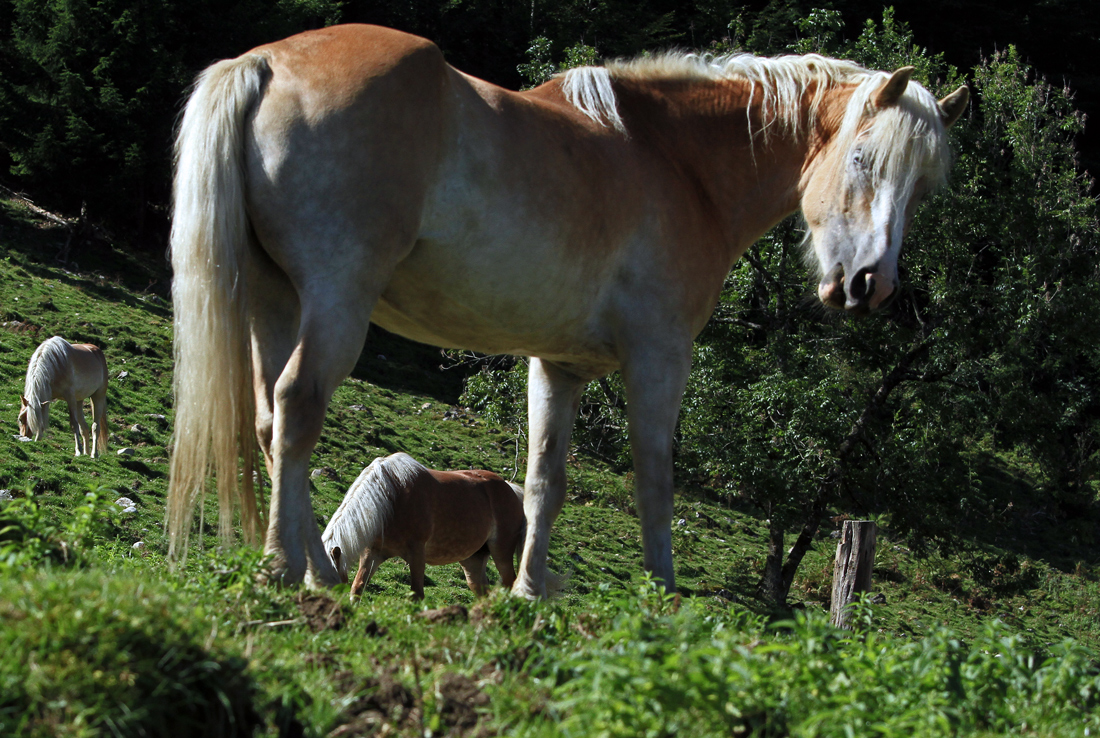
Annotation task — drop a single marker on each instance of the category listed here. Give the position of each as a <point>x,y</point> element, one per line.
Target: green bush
<point>664,673</point>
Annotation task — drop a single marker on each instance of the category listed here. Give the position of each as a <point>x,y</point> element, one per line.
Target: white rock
<point>5,494</point>
<point>138,545</point>
<point>127,505</point>
<point>126,452</point>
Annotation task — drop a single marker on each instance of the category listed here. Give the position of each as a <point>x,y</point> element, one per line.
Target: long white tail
<point>214,407</point>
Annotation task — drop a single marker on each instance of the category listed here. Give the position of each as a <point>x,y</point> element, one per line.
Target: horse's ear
<point>892,90</point>
<point>23,401</point>
<point>952,106</point>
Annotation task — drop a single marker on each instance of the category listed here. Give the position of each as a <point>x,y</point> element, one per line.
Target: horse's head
<point>339,562</point>
<point>33,418</point>
<point>862,186</point>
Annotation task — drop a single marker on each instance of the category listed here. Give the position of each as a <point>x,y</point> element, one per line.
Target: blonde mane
<point>368,505</point>
<point>50,359</point>
<point>903,143</point>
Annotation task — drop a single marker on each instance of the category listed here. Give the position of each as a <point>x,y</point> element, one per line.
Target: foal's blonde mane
<point>50,359</point>
<point>368,505</point>
<point>904,142</point>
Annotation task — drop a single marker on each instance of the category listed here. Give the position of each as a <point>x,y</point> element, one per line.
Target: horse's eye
<point>857,158</point>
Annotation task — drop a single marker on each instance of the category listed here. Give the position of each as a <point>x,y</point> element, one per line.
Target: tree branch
<point>826,491</point>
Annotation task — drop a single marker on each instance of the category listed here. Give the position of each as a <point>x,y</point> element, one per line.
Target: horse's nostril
<point>862,287</point>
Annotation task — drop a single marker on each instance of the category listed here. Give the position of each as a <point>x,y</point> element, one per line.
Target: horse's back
<point>345,140</point>
<point>89,368</point>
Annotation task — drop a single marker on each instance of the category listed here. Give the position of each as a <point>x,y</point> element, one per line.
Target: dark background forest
<point>90,89</point>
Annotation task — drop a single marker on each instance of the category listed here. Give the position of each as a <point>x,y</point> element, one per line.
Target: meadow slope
<point>88,604</point>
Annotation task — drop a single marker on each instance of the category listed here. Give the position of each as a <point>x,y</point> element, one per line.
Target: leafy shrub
<point>30,536</point>
<point>701,673</point>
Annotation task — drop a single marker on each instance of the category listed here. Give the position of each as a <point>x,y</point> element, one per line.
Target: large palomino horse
<point>59,370</point>
<point>349,175</point>
<point>400,508</point>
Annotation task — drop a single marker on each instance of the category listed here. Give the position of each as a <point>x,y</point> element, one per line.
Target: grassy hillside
<point>84,608</point>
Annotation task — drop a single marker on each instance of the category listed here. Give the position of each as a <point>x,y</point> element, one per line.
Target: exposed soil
<point>385,706</point>
<point>450,614</point>
<point>321,612</point>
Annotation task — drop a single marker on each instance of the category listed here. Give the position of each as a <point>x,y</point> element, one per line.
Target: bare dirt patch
<point>321,612</point>
<point>446,615</point>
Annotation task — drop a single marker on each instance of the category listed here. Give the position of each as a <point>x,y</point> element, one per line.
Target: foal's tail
<point>214,407</point>
<point>555,582</point>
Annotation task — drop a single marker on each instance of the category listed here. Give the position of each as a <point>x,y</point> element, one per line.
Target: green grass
<point>98,637</point>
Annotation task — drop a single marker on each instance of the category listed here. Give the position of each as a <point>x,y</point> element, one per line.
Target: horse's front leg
<point>78,425</point>
<point>655,377</point>
<point>330,338</point>
<point>553,397</point>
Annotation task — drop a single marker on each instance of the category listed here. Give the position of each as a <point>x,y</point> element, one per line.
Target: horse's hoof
<point>526,590</point>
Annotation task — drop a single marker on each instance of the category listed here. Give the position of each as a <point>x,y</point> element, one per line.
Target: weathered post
<point>855,558</point>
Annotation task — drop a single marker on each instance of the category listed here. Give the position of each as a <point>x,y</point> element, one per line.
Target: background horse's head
<point>34,418</point>
<point>864,183</point>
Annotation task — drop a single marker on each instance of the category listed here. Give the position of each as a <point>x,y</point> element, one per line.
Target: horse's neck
<point>715,132</point>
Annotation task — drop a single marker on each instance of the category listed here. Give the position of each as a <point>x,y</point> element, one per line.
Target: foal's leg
<point>506,567</point>
<point>417,564</point>
<point>474,568</point>
<point>368,564</point>
<point>553,396</point>
<point>655,378</point>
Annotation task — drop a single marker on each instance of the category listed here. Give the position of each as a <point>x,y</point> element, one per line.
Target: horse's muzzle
<point>868,291</point>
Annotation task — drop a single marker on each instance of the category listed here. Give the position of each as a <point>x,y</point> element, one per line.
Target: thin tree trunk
<point>827,491</point>
<point>771,588</point>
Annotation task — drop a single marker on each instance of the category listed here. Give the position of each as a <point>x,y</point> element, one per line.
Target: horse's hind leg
<point>330,338</point>
<point>474,568</point>
<point>274,311</point>
<point>553,396</point>
<point>99,421</point>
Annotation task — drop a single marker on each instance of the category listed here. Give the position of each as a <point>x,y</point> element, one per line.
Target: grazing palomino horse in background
<point>400,508</point>
<point>59,370</point>
<point>349,175</point>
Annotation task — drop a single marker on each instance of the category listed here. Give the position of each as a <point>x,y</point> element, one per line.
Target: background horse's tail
<point>214,407</point>
<point>554,582</point>
<point>368,505</point>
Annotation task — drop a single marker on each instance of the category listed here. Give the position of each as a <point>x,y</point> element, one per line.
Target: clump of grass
<point>84,655</point>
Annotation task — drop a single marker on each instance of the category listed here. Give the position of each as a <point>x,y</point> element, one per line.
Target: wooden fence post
<point>855,558</point>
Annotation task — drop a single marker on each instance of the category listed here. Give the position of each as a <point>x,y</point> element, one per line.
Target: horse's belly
<point>490,305</point>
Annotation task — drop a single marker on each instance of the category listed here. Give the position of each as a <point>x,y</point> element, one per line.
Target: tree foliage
<point>91,89</point>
